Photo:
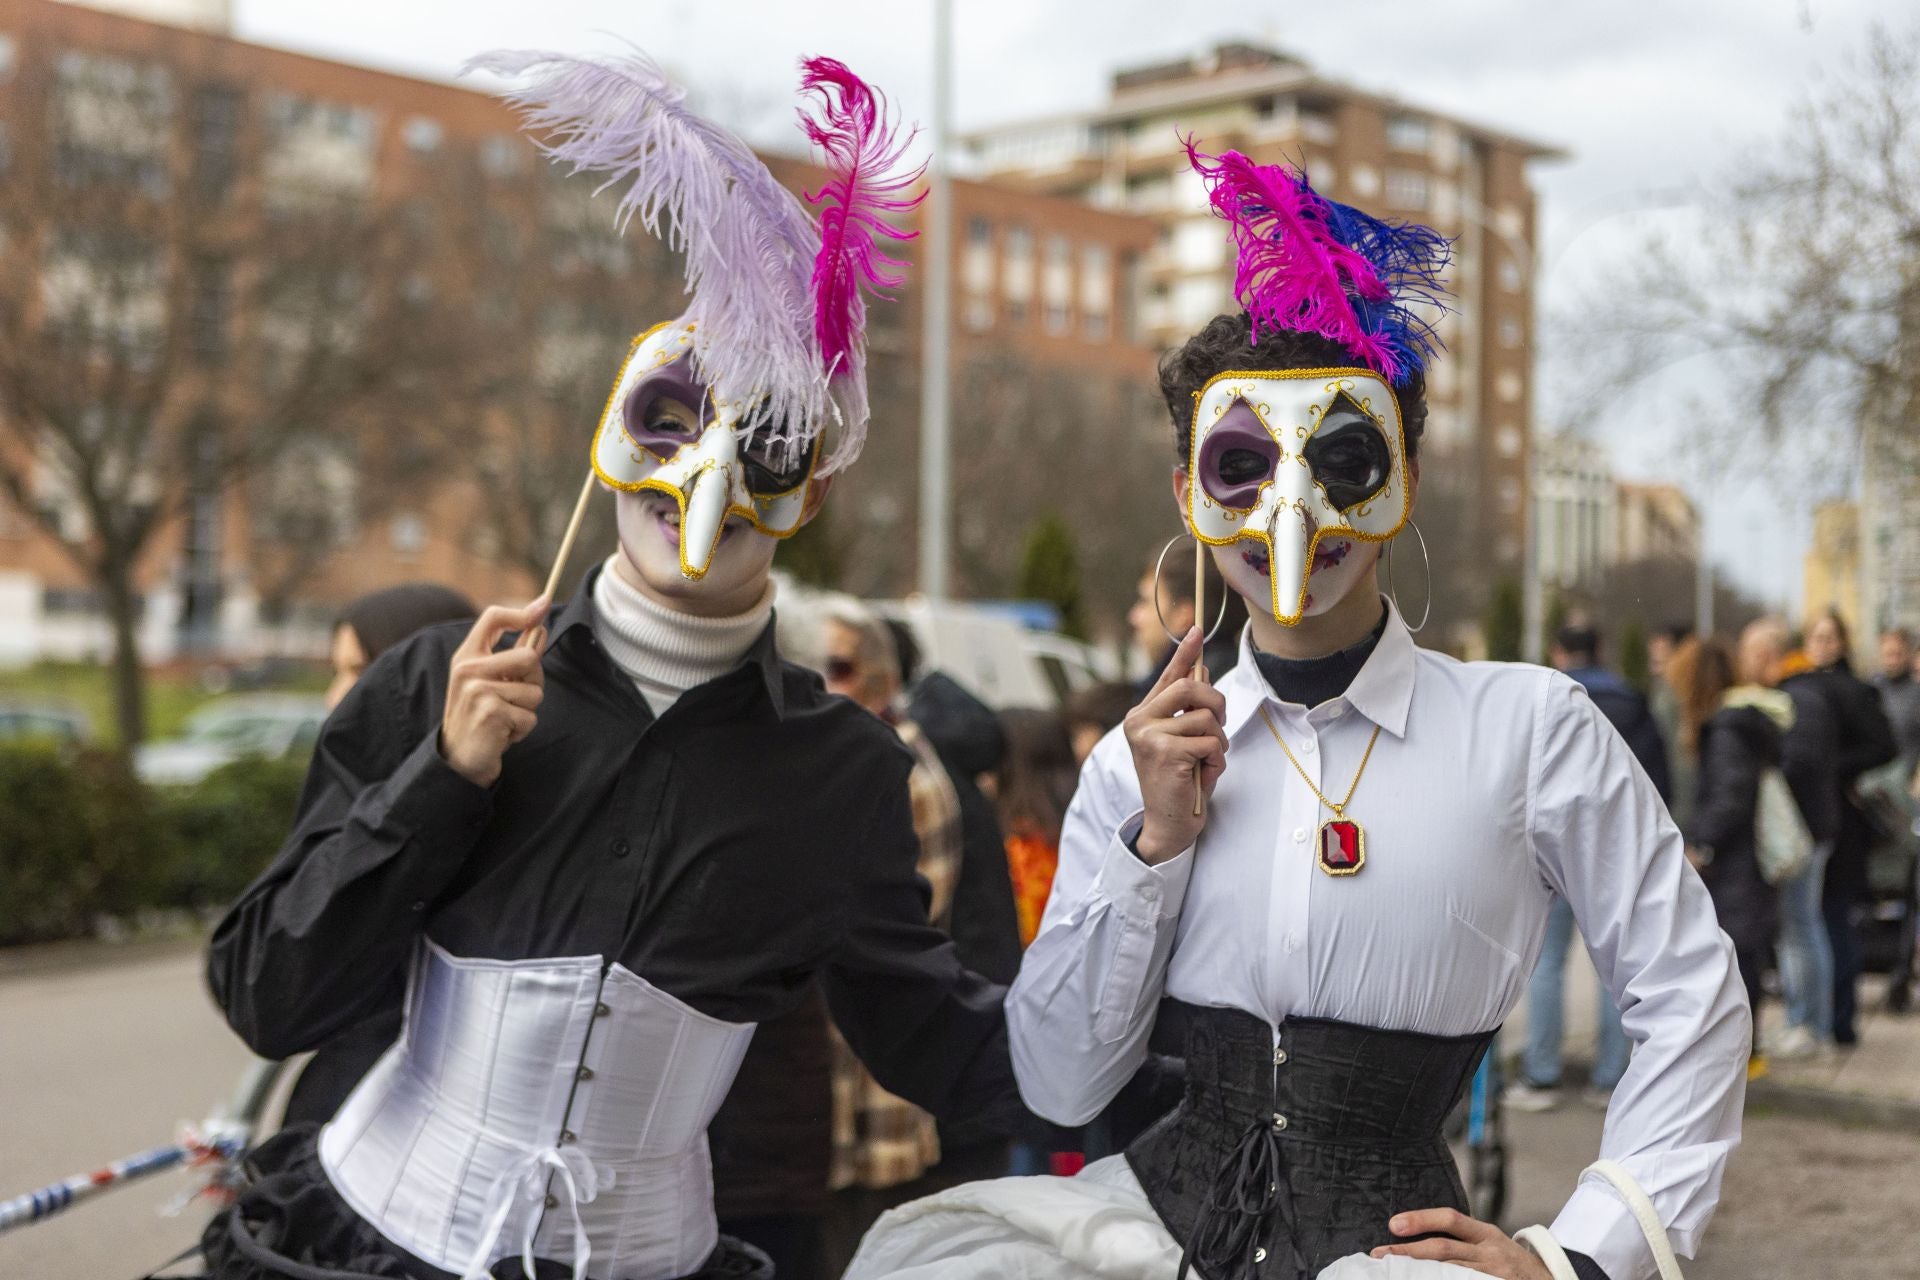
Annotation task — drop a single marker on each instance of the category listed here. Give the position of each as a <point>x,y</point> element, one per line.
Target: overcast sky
<point>1650,99</point>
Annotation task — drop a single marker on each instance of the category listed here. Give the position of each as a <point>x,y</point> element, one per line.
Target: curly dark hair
<point>1226,343</point>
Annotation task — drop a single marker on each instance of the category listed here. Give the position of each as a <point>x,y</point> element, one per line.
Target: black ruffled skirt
<point>290,1224</point>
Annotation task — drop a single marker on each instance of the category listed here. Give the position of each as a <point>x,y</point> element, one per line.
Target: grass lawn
<point>171,695</point>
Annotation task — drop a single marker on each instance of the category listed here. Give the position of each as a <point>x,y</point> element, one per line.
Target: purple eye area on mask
<point>1237,457</point>
<point>663,411</point>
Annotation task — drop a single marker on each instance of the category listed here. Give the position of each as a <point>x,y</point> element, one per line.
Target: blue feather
<point>1411,261</point>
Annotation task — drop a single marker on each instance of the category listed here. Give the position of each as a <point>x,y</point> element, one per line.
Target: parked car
<point>273,725</point>
<point>44,719</point>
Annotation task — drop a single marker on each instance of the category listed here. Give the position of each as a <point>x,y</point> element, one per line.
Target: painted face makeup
<point>665,431</point>
<point>1300,474</point>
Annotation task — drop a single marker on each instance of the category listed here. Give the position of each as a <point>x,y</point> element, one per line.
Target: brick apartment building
<point>1069,272</point>
<point>183,112</point>
<point>1392,158</point>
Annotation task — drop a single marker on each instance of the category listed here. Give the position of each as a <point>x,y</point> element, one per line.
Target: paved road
<point>100,1059</point>
<point>1803,1199</point>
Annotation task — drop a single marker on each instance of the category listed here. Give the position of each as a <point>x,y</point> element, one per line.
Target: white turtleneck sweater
<point>666,652</point>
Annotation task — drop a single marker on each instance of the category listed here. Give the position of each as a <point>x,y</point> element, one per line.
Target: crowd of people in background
<point>1754,746</point>
<point>1797,786</point>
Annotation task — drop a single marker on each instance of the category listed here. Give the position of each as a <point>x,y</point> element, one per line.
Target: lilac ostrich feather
<point>749,243</point>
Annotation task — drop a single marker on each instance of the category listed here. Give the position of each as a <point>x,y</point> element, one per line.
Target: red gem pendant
<point>1343,847</point>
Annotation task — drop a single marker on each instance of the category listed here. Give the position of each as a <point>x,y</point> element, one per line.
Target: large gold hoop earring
<point>1427,612</point>
<point>1159,565</point>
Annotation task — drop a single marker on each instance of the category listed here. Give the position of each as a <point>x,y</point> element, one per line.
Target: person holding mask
<point>587,851</point>
<point>1865,742</point>
<point>1334,864</point>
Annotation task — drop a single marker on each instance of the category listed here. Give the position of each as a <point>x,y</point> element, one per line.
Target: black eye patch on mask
<point>1349,455</point>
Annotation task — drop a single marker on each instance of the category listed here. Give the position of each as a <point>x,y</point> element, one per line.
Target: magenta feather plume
<point>749,243</point>
<point>868,180</point>
<point>1291,271</point>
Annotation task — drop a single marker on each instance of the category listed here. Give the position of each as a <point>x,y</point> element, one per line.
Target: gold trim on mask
<point>751,514</point>
<point>1255,534</point>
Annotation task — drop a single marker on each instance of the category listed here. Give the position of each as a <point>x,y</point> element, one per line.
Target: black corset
<point>1280,1160</point>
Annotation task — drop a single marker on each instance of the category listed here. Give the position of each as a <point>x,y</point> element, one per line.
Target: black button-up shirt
<point>755,836</point>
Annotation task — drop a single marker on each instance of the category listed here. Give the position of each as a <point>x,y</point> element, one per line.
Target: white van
<point>992,655</point>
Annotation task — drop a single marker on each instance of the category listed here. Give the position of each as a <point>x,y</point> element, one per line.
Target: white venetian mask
<point>666,430</point>
<point>1291,458</point>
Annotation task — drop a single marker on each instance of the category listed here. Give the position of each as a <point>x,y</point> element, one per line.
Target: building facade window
<point>1198,245</point>
<point>316,151</point>
<point>112,120</point>
<point>1512,278</point>
<point>1017,272</point>
<point>423,134</point>
<point>1407,189</point>
<point>502,156</point>
<point>976,261</point>
<point>1056,285</point>
<point>408,533</point>
<point>216,137</point>
<point>1409,133</point>
<point>210,306</point>
<point>1096,292</point>
<point>1512,333</point>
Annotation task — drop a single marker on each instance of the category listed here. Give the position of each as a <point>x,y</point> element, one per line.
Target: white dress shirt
<point>1492,787</point>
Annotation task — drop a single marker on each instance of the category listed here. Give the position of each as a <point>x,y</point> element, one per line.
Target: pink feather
<point>864,150</point>
<point>1290,271</point>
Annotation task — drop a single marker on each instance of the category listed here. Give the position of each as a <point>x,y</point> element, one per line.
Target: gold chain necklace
<point>1343,844</point>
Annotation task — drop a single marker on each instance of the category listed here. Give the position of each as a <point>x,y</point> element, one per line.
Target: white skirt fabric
<point>1097,1226</point>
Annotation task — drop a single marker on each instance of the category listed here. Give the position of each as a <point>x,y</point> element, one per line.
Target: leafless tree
<point>162,340</point>
<point>1799,271</point>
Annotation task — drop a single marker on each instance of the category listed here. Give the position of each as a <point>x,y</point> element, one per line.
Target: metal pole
<point>937,322</point>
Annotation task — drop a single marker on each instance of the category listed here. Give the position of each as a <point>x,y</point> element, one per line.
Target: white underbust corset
<point>549,1106</point>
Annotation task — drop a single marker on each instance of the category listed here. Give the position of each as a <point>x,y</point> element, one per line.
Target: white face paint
<point>665,431</point>
<point>1305,469</point>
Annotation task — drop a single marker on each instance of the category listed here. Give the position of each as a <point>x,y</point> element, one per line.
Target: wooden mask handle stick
<point>538,634</point>
<point>1200,663</point>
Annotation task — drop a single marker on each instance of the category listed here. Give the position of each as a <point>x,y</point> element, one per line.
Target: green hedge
<point>81,838</point>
